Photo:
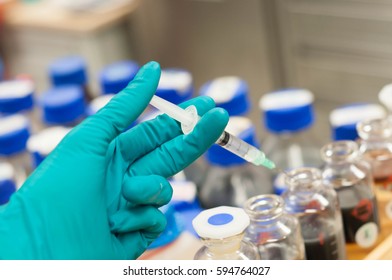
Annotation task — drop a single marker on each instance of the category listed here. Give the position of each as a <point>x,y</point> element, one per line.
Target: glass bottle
<point>64,106</point>
<point>7,182</point>
<point>41,144</point>
<point>14,133</point>
<point>317,209</point>
<point>17,97</point>
<point>375,145</point>
<point>290,143</point>
<point>70,70</point>
<point>353,182</point>
<point>230,93</point>
<point>230,180</point>
<point>221,230</point>
<point>116,76</point>
<point>343,120</point>
<point>276,233</point>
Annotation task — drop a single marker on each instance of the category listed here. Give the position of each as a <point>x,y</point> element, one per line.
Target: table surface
<point>46,16</point>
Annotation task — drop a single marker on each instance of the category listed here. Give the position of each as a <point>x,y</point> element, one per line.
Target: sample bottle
<point>63,106</point>
<point>98,103</point>
<point>276,233</point>
<point>175,85</point>
<point>230,93</point>
<point>7,182</point>
<point>343,120</point>
<point>70,70</point>
<point>288,118</point>
<point>17,97</point>
<point>229,179</point>
<point>14,132</point>
<point>221,230</point>
<point>174,243</point>
<point>353,182</point>
<point>375,145</point>
<point>116,76</point>
<point>41,144</point>
<point>185,202</point>
<point>317,209</point>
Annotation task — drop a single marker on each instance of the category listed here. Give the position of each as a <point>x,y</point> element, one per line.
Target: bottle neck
<point>264,209</point>
<point>224,246</point>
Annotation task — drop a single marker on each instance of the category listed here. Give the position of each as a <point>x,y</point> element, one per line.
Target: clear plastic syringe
<point>188,118</point>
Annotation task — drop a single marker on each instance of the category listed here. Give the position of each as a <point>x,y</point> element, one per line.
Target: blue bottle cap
<point>14,132</point>
<point>289,110</point>
<point>221,222</point>
<point>62,105</point>
<point>16,96</point>
<point>98,103</point>
<point>173,228</point>
<point>41,144</point>
<point>115,77</point>
<point>230,93</point>
<point>175,85</point>
<point>7,183</point>
<point>242,128</point>
<point>69,70</point>
<point>344,120</point>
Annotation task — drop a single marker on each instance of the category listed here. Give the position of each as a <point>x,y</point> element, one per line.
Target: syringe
<point>188,118</point>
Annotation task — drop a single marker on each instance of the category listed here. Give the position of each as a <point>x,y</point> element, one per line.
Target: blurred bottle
<point>7,182</point>
<point>174,243</point>
<point>317,209</point>
<point>344,120</point>
<point>41,144</point>
<point>185,202</point>
<point>175,85</point>
<point>230,93</point>
<point>288,118</point>
<point>14,132</point>
<point>276,234</point>
<point>98,103</point>
<point>70,70</point>
<point>116,76</point>
<point>353,182</point>
<point>375,145</point>
<point>17,97</point>
<point>385,97</point>
<point>221,230</point>
<point>63,106</point>
<point>230,180</point>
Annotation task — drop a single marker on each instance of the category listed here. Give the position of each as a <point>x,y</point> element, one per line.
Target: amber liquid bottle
<point>376,148</point>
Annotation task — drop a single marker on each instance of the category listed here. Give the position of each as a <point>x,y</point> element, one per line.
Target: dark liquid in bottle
<point>323,248</point>
<point>355,217</point>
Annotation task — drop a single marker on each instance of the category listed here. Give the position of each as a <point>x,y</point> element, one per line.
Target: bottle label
<point>363,211</point>
<point>366,235</point>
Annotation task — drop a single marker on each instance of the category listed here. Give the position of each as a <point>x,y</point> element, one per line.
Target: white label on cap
<point>237,125</point>
<point>223,89</point>
<point>385,96</point>
<point>366,235</point>
<point>286,99</point>
<point>183,190</point>
<point>16,89</point>
<point>6,171</point>
<point>12,123</point>
<point>356,113</point>
<point>181,81</point>
<point>99,102</point>
<point>46,140</point>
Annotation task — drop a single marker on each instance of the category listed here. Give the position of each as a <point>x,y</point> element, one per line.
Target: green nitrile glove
<point>96,195</point>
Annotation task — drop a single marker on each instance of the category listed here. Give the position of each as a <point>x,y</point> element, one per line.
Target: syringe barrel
<point>239,147</point>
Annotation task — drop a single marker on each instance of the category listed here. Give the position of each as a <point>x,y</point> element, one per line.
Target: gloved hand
<point>96,196</point>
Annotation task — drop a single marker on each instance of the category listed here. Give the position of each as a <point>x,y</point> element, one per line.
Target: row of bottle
<point>303,223</point>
